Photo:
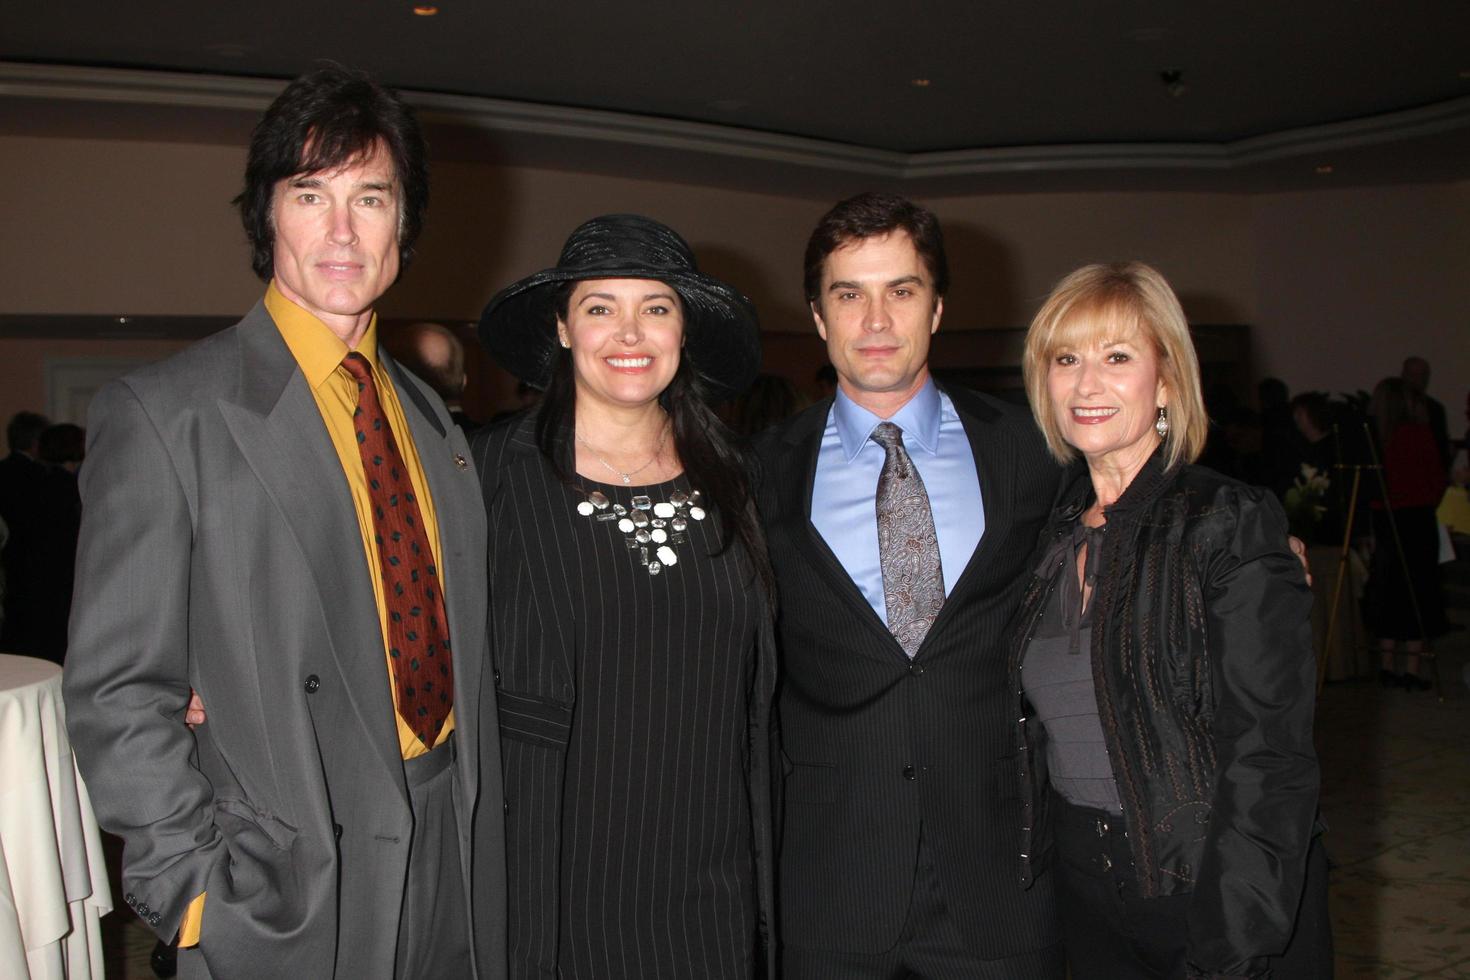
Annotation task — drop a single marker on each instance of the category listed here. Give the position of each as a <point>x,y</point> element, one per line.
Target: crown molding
<point>501,118</point>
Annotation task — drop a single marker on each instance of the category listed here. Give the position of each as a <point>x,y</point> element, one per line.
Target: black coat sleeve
<point>1263,674</point>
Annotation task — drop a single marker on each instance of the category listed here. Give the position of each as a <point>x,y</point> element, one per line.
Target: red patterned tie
<point>418,633</point>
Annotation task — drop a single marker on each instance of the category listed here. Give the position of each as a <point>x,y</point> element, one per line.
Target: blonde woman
<point>1163,665</point>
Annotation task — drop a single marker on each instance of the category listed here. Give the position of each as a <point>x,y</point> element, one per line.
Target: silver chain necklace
<point>627,477</point>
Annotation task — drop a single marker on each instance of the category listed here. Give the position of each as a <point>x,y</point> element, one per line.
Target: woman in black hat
<point>629,604</point>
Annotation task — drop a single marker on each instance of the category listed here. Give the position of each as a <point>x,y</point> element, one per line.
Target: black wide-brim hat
<point>721,332</point>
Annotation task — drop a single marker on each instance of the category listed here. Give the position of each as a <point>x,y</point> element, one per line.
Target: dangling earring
<point>1161,424</point>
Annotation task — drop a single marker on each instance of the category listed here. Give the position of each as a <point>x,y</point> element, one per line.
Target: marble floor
<point>1395,792</point>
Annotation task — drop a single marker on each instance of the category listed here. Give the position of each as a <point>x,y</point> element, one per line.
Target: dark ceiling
<point>910,79</point>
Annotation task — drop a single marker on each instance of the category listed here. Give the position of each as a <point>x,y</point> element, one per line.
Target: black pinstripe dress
<point>625,715</point>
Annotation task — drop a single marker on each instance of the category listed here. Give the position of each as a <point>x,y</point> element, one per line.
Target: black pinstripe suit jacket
<point>533,645</point>
<point>878,746</point>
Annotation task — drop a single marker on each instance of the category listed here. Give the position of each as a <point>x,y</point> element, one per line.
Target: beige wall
<point>23,367</point>
<point>1352,281</point>
<point>1340,284</point>
<point>1008,250</point>
<point>489,226</point>
<point>98,226</point>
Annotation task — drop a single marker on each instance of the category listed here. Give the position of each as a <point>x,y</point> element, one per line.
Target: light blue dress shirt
<point>846,485</point>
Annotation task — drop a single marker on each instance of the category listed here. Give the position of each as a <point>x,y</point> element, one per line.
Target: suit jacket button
<point>497,677</point>
<point>143,910</point>
<point>130,899</point>
<point>916,669</point>
<point>155,919</point>
<point>337,830</point>
<point>313,684</point>
<point>909,773</point>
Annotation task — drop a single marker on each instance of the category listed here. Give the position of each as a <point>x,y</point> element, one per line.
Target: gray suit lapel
<point>279,430</point>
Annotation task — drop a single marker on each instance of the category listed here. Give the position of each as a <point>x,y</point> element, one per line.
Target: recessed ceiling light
<point>1324,168</point>
<point>425,9</point>
<point>920,82</point>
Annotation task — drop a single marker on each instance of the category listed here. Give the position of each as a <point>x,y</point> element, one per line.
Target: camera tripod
<point>1343,570</point>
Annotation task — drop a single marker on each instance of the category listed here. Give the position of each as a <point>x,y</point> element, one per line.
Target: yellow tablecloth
<point>53,882</point>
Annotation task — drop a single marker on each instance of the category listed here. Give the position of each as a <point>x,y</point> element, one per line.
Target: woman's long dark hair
<point>715,458</point>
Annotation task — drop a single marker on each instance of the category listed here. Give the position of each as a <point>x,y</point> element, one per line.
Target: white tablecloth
<point>53,882</point>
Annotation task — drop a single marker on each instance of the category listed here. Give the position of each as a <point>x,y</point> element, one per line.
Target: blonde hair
<point>1111,302</point>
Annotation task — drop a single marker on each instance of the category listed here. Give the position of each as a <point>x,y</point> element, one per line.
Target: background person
<point>23,479</point>
<point>61,448</point>
<point>1415,374</point>
<point>1163,664</point>
<point>434,353</point>
<point>1405,606</point>
<point>632,641</point>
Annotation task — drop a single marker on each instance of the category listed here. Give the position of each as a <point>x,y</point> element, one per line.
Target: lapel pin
<point>461,462</point>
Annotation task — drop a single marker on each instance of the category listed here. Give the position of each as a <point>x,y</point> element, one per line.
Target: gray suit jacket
<point>220,550</point>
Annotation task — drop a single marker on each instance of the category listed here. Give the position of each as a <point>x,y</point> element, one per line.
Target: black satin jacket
<point>1205,676</point>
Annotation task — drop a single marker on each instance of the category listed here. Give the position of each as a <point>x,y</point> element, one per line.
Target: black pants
<point>1399,586</point>
<point>931,947</point>
<point>1112,934</point>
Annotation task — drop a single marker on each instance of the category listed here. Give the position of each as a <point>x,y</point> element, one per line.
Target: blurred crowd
<point>40,515</point>
<point>1365,470</point>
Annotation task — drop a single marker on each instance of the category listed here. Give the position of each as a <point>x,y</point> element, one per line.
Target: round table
<point>53,881</point>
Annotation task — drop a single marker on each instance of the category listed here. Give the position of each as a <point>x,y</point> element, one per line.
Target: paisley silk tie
<point>908,549</point>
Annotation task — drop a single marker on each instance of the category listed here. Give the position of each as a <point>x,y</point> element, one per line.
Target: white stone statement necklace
<point>650,529</point>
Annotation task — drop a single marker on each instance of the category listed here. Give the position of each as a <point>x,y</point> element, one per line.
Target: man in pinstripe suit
<point>901,848</point>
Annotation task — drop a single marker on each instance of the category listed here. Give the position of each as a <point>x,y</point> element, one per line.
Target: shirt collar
<point>317,350</point>
<point>919,419</point>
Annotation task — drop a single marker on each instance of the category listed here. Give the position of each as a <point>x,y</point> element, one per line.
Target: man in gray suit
<point>282,519</point>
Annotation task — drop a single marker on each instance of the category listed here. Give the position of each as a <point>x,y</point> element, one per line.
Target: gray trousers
<point>433,929</point>
<point>433,925</point>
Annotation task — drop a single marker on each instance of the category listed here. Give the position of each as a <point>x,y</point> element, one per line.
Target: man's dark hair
<point>23,431</point>
<point>62,443</point>
<point>1317,407</point>
<point>327,120</point>
<point>873,215</point>
<point>1273,393</point>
